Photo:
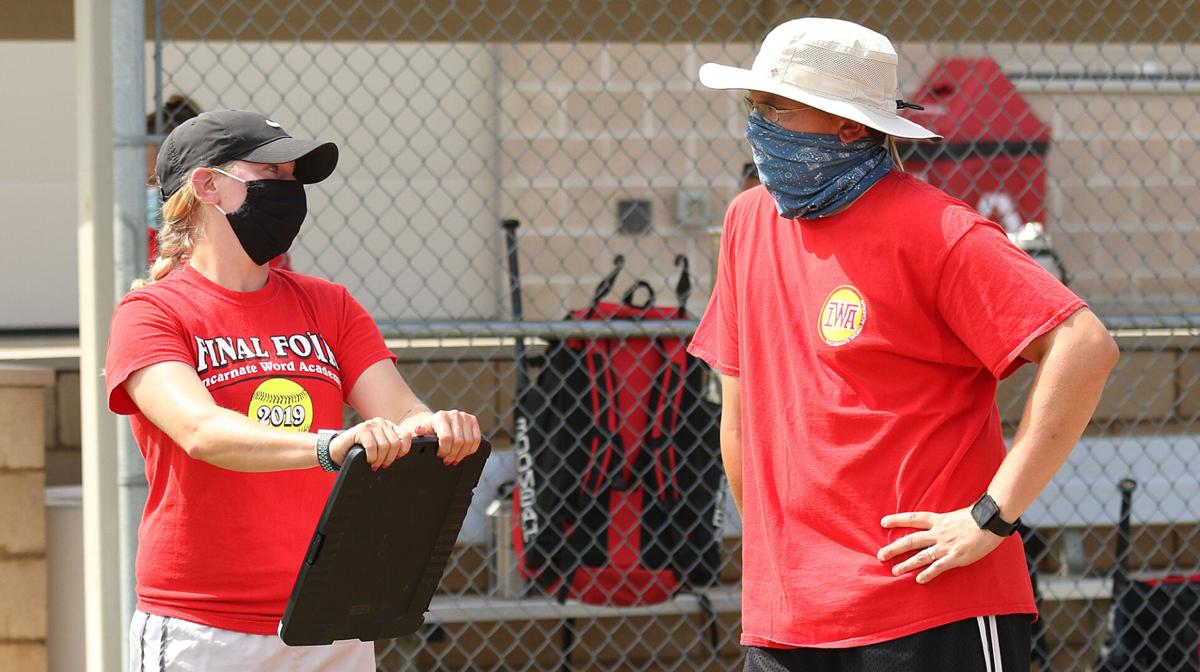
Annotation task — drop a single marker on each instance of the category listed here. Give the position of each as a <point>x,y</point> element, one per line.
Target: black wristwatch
<point>987,517</point>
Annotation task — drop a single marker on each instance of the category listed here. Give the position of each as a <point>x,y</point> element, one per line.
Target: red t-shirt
<point>868,346</point>
<point>220,547</point>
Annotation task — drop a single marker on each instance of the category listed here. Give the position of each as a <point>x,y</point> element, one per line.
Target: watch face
<point>984,510</point>
<point>987,517</point>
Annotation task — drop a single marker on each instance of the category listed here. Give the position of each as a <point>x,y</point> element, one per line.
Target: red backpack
<point>618,497</point>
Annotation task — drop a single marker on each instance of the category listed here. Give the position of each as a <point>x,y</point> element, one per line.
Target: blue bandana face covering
<point>814,175</point>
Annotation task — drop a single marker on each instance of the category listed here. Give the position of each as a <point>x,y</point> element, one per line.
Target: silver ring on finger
<point>932,554</point>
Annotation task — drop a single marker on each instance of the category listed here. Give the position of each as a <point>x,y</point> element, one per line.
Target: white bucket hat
<point>836,66</point>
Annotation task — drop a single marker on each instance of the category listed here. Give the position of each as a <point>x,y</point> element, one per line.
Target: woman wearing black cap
<point>234,376</point>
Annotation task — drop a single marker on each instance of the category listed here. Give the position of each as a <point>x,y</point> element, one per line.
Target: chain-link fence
<point>585,123</point>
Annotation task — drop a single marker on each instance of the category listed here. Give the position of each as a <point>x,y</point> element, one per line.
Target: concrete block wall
<point>1152,389</point>
<point>580,127</point>
<point>584,126</point>
<point>62,429</point>
<point>1124,198</point>
<point>23,605</point>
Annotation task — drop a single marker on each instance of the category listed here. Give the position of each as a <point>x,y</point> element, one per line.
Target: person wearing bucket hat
<point>234,375</point>
<point>861,319</point>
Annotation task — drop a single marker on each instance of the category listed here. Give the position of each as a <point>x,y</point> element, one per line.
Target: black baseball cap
<point>220,136</point>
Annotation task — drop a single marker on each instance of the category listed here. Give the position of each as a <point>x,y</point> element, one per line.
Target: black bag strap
<point>603,468</point>
<point>630,293</point>
<point>605,286</point>
<point>710,617</point>
<point>660,436</point>
<point>683,288</point>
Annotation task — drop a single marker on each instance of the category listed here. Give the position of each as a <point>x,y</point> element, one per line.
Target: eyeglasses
<point>769,112</point>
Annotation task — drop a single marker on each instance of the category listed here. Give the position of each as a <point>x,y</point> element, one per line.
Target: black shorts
<point>983,644</point>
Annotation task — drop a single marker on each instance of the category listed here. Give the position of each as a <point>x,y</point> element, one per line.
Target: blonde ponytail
<point>182,225</point>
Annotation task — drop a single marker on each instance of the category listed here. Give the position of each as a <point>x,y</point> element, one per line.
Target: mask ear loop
<point>235,177</point>
<point>229,175</point>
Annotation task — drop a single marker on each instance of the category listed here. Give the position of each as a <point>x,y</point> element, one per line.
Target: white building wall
<point>37,185</point>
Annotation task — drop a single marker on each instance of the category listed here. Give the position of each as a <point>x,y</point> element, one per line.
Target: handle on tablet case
<point>314,549</point>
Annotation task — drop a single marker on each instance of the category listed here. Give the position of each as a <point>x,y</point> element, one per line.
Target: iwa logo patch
<point>842,316</point>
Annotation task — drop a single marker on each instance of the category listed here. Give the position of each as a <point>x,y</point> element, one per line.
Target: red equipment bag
<point>618,497</point>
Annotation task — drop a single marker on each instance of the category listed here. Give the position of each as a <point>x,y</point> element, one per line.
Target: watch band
<point>987,516</point>
<point>324,438</point>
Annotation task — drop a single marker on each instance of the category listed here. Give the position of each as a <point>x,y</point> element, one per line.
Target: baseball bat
<point>526,406</point>
<point>514,285</point>
<point>1124,537</point>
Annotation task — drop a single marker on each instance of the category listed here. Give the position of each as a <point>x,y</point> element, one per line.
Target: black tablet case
<point>380,547</point>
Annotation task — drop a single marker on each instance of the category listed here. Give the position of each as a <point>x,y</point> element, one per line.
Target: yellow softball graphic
<point>282,403</point>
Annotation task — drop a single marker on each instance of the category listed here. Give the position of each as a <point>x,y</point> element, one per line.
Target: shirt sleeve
<point>141,334</point>
<point>360,344</point>
<point>997,299</point>
<point>716,337</point>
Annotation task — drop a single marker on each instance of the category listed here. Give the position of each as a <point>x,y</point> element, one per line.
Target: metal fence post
<point>129,255</point>
<point>94,54</point>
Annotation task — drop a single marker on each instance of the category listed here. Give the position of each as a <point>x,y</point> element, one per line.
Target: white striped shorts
<point>161,644</point>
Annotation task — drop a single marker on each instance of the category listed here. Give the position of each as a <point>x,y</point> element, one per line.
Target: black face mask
<point>270,217</point>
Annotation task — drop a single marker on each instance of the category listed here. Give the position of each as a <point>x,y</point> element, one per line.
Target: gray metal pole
<point>102,594</point>
<point>129,261</point>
